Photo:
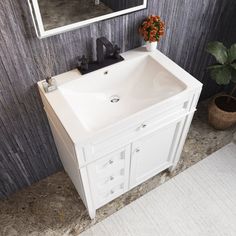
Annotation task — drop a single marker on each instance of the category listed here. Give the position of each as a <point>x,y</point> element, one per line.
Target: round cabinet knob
<point>112,191</point>
<point>137,150</point>
<point>111,177</point>
<point>144,126</point>
<point>111,162</point>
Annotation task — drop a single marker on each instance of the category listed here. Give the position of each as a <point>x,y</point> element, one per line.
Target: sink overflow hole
<point>114,99</point>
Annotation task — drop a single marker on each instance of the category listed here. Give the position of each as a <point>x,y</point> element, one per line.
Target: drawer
<point>114,177</point>
<point>110,194</point>
<point>108,176</point>
<point>136,130</point>
<point>105,166</point>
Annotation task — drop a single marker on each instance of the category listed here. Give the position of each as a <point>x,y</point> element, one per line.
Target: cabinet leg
<point>92,214</point>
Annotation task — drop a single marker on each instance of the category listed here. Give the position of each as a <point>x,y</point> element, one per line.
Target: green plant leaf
<point>218,50</point>
<point>233,65</point>
<point>217,66</point>
<point>232,53</point>
<point>222,76</point>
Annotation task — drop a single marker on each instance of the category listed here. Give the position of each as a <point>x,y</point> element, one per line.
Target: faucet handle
<point>83,63</point>
<point>82,59</point>
<point>116,53</point>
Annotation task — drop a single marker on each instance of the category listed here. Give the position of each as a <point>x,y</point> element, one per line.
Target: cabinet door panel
<point>153,153</point>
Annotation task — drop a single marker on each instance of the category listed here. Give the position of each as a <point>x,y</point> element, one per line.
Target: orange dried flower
<point>152,28</point>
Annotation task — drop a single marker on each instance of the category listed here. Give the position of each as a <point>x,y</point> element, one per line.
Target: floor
<point>199,201</point>
<point>53,207</point>
<point>57,13</point>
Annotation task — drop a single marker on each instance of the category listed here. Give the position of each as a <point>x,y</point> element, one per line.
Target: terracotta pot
<point>219,115</point>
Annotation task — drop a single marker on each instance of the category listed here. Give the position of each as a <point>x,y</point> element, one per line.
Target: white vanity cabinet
<point>103,170</point>
<point>109,148</point>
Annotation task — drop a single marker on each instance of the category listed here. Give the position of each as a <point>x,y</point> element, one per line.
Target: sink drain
<point>114,99</point>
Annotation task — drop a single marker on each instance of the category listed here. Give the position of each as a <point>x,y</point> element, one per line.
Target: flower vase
<point>151,46</point>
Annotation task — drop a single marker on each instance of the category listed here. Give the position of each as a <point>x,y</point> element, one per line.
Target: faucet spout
<point>103,42</point>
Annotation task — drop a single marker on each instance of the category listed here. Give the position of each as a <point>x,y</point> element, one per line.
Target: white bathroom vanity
<point>121,125</point>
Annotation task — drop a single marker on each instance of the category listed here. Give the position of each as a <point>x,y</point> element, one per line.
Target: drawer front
<point>109,175</point>
<point>121,137</point>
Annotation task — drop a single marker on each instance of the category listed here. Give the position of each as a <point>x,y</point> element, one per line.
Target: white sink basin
<point>137,84</point>
<point>143,81</point>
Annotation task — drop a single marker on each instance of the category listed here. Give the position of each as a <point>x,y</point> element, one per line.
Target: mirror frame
<point>42,33</point>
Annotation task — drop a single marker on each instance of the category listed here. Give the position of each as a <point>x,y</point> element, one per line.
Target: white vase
<point>151,46</point>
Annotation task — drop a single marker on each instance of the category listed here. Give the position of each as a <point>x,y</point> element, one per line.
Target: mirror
<point>52,17</point>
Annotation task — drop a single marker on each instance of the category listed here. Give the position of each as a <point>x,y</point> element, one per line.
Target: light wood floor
<point>200,201</point>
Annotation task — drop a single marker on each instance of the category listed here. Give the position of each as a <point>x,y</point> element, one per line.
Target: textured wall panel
<point>27,150</point>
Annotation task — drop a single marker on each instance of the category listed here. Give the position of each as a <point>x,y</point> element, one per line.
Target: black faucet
<point>109,57</point>
<point>101,43</point>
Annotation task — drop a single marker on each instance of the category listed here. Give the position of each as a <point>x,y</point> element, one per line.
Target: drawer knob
<point>112,191</point>
<point>111,162</point>
<point>137,150</point>
<point>111,177</point>
<point>144,126</point>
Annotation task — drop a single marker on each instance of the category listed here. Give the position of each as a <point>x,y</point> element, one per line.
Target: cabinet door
<point>154,152</point>
<point>109,176</point>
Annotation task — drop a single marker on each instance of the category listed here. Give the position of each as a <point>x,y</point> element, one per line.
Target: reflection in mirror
<point>51,15</point>
<point>56,13</point>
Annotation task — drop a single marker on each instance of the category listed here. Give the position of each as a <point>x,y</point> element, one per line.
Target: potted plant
<point>222,108</point>
<point>152,29</point>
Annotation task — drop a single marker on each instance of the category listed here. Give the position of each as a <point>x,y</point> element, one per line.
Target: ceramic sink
<point>104,97</point>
